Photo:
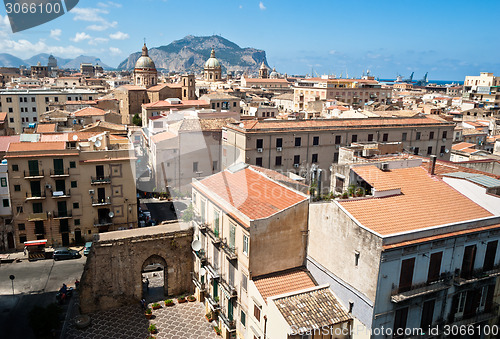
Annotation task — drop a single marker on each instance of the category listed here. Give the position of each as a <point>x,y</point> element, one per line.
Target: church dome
<point>263,65</point>
<point>212,62</point>
<point>274,74</point>
<point>145,61</point>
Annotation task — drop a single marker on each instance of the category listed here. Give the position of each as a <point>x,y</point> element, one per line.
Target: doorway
<point>154,279</point>
<point>65,239</point>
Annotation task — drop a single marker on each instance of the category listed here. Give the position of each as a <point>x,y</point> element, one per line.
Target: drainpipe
<point>432,165</point>
<point>265,326</point>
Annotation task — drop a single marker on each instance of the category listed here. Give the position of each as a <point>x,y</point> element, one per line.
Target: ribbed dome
<point>145,61</point>
<point>212,62</point>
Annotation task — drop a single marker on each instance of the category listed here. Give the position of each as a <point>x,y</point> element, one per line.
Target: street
<point>35,283</point>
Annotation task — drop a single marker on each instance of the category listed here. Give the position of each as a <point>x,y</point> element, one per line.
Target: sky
<point>448,39</point>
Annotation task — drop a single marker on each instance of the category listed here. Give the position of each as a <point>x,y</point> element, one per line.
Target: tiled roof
<point>443,167</point>
<point>371,175</point>
<point>473,131</point>
<point>250,192</point>
<point>461,145</point>
<point>283,282</point>
<point>311,310</point>
<point>3,116</point>
<point>89,111</point>
<point>45,128</point>
<point>6,140</point>
<point>283,81</point>
<point>280,178</point>
<point>183,104</point>
<point>105,125</point>
<point>425,201</point>
<point>36,146</point>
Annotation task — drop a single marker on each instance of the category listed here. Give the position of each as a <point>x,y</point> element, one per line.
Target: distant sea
<point>437,82</point>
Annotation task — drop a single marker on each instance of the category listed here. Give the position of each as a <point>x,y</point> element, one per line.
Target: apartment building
<point>65,191</point>
<point>6,227</point>
<point>249,225</point>
<point>297,145</point>
<point>484,88</point>
<point>350,91</point>
<point>24,107</point>
<point>413,251</point>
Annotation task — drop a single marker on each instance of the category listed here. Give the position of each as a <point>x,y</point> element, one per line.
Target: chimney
<point>432,165</point>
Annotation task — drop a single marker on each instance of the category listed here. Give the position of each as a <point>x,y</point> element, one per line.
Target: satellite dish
<point>97,143</point>
<point>75,137</point>
<point>111,214</point>
<point>203,271</point>
<point>196,245</point>
<point>447,151</point>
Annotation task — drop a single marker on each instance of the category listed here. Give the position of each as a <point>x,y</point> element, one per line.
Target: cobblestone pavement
<point>182,321</point>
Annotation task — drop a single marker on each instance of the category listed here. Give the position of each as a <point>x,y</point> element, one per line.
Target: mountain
<point>8,60</point>
<point>75,63</point>
<point>43,58</point>
<point>190,53</point>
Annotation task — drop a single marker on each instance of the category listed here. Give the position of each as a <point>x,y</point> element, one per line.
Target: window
<point>74,184</point>
<point>406,275</point>
<point>244,281</point>
<point>298,141</point>
<point>76,205</point>
<point>245,244</point>
<point>232,235</point>
<point>19,209</point>
<point>429,150</point>
<point>214,165</point>
<point>77,222</point>
<point>434,267</point>
<point>351,306</point>
<point>258,161</point>
<point>279,142</point>
<point>15,168</point>
<point>10,111</point>
<point>21,227</point>
<point>338,139</point>
<point>260,143</point>
<point>296,159</point>
<point>315,141</point>
<point>278,161</point>
<point>17,188</point>
<point>195,166</point>
<point>489,258</point>
<point>33,109</point>
<point>72,164</point>
<point>22,239</point>
<point>370,137</point>
<point>3,182</point>
<point>354,138</point>
<point>385,137</point>
<point>9,99</point>
<point>256,312</point>
<point>443,149</point>
<point>6,203</point>
<point>418,136</point>
<point>216,222</point>
<point>315,158</point>
<point>445,134</point>
<point>336,157</point>
<point>37,207</point>
<point>400,321</point>
<point>416,150</point>
<point>404,136</point>
<point>243,318</point>
<point>431,135</point>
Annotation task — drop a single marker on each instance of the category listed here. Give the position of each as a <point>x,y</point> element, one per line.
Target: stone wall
<point>112,276</point>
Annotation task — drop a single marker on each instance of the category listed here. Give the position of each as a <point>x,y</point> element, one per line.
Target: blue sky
<point>448,39</point>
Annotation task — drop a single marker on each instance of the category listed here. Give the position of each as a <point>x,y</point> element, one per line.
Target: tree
<point>136,120</point>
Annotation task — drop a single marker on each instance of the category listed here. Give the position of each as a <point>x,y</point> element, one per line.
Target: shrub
<point>149,311</point>
<point>152,328</point>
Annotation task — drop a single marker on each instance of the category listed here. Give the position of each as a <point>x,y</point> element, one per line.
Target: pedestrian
<point>147,284</point>
<point>143,303</point>
<point>25,249</point>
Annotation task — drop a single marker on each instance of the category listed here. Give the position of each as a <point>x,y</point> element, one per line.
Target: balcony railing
<point>33,174</point>
<point>201,255</point>
<point>202,226</point>
<point>214,305</point>
<point>197,282</point>
<point>229,250</point>
<point>103,222</point>
<point>62,214</point>
<point>229,324</point>
<point>59,172</point>
<point>228,287</point>
<point>213,271</point>
<point>418,290</point>
<point>214,235</point>
<point>101,201</point>
<point>478,317</point>
<point>61,194</point>
<point>35,195</point>
<point>476,275</point>
<point>100,180</point>
<point>37,216</point>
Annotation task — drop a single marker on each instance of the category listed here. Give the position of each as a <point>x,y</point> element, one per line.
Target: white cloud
<point>102,27</point>
<point>25,49</point>
<point>115,51</point>
<point>108,4</point>
<point>261,6</point>
<point>119,36</point>
<point>93,15</point>
<point>55,33</point>
<point>80,37</point>
<point>4,21</point>
<point>97,41</point>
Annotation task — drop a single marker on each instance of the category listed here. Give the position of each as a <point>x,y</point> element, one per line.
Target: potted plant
<point>169,302</point>
<point>217,330</point>
<point>156,306</point>
<point>181,299</point>
<point>191,298</point>
<point>148,313</point>
<point>210,316</point>
<point>151,337</point>
<point>152,329</point>
<point>216,299</point>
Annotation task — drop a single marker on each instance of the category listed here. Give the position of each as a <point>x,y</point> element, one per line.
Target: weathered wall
<point>112,275</point>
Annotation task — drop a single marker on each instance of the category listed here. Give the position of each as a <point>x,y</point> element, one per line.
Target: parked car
<point>66,253</point>
<point>153,267</point>
<point>86,250</point>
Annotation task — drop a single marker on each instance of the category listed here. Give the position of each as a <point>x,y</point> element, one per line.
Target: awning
<point>35,242</point>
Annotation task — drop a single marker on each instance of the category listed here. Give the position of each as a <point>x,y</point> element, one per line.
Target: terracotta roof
<point>443,167</point>
<point>255,80</point>
<point>280,177</point>
<point>371,174</point>
<point>81,102</point>
<point>46,128</point>
<point>311,310</point>
<point>89,111</point>
<point>158,87</point>
<point>105,125</point>
<point>183,104</point>
<point>424,201</point>
<point>250,192</point>
<point>461,145</point>
<point>283,282</point>
<point>36,146</point>
<point>473,131</point>
<point>6,140</point>
<point>162,136</point>
<point>3,116</point>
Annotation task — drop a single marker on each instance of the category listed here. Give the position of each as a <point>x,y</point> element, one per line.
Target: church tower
<point>188,87</point>
<point>145,74</point>
<point>263,71</point>
<point>212,71</point>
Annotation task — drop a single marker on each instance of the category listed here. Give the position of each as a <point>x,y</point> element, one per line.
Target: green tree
<point>136,120</point>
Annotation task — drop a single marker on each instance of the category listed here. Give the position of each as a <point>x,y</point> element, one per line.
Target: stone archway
<point>151,274</point>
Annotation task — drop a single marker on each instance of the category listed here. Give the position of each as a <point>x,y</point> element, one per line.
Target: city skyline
<point>323,37</point>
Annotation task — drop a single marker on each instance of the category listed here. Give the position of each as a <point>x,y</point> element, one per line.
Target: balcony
<point>418,290</point>
<point>103,222</point>
<point>202,226</point>
<point>228,288</point>
<point>37,216</point>
<point>214,305</point>
<point>33,174</point>
<point>478,317</point>
<point>213,271</point>
<point>35,196</point>
<point>201,255</point>
<point>61,194</point>
<point>100,180</point>
<point>214,235</point>
<point>197,282</point>
<point>476,275</point>
<point>59,173</point>
<point>229,250</point>
<point>62,214</point>
<point>229,324</point>
<point>101,201</point>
